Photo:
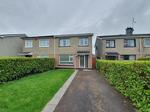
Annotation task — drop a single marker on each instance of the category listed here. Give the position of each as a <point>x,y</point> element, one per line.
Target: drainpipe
<point>54,47</point>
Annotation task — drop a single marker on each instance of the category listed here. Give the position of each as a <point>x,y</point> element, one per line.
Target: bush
<point>15,68</point>
<point>144,58</point>
<point>131,78</point>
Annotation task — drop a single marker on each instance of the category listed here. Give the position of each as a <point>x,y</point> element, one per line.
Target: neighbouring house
<point>128,46</point>
<point>11,44</point>
<point>70,50</point>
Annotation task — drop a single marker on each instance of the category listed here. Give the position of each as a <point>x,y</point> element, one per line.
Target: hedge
<point>144,58</point>
<point>131,78</point>
<point>15,68</point>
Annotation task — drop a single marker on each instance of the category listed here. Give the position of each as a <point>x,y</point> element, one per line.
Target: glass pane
<point>66,59</point>
<point>131,57</point>
<point>81,61</point>
<point>83,41</point>
<point>86,60</point>
<point>147,42</point>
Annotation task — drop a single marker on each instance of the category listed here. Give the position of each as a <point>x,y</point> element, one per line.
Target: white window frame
<point>28,43</point>
<point>110,43</point>
<point>41,44</point>
<point>64,42</point>
<point>84,41</point>
<point>71,59</point>
<point>145,39</point>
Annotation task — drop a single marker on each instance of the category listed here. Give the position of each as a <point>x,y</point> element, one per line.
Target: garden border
<point>51,105</point>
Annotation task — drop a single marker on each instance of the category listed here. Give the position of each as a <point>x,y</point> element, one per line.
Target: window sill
<point>66,64</point>
<point>43,46</point>
<point>64,46</point>
<point>83,46</point>
<point>146,47</point>
<point>28,47</point>
<point>129,46</point>
<point>110,47</point>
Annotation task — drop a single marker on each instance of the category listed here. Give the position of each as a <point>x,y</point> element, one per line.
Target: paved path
<point>89,92</point>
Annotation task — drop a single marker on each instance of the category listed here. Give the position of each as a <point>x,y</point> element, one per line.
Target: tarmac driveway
<point>90,92</point>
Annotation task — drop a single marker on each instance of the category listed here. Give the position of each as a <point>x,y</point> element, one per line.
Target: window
<point>83,42</point>
<point>129,57</point>
<point>110,43</point>
<point>147,42</point>
<point>129,43</point>
<point>43,43</point>
<point>64,42</point>
<point>66,59</point>
<point>28,43</point>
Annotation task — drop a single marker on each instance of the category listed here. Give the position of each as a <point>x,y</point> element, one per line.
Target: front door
<point>84,61</point>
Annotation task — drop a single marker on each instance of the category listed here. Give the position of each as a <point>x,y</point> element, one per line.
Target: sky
<point>47,17</point>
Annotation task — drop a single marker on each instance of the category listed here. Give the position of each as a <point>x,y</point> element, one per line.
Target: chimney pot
<point>129,31</point>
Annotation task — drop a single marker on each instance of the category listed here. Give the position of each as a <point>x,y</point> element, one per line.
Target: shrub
<point>15,68</point>
<point>144,58</point>
<point>131,78</point>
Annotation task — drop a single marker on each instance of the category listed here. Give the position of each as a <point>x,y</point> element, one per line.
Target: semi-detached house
<point>127,46</point>
<point>70,50</point>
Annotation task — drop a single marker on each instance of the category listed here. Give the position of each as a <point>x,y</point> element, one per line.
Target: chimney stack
<point>129,31</point>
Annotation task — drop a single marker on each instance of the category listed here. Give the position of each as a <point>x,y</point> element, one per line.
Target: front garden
<point>131,78</point>
<point>30,94</point>
<point>27,84</point>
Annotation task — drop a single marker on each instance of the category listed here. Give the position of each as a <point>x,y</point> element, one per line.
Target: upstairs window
<point>28,43</point>
<point>129,43</point>
<point>147,42</point>
<point>43,43</point>
<point>110,43</point>
<point>64,42</point>
<point>83,42</point>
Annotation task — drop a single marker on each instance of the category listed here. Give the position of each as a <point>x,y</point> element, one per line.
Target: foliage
<point>15,68</point>
<point>31,94</point>
<point>131,78</point>
<point>144,58</point>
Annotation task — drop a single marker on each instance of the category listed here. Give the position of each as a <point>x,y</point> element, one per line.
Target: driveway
<point>90,92</point>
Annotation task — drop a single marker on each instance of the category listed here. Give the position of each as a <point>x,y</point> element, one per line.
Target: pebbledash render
<point>127,46</point>
<point>69,50</point>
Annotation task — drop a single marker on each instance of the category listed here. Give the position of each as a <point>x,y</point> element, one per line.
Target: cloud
<point>121,17</point>
<point>37,17</point>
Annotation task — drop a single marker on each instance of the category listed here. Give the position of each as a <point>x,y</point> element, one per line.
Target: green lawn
<point>30,94</point>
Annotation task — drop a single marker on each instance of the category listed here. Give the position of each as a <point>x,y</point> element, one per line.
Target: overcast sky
<point>45,17</point>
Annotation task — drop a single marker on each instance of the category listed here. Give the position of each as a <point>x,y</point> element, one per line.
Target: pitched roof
<point>12,35</point>
<point>74,35</point>
<point>61,36</point>
<point>124,36</point>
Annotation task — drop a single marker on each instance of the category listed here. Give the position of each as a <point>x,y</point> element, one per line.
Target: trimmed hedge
<point>131,78</point>
<point>15,68</point>
<point>145,58</point>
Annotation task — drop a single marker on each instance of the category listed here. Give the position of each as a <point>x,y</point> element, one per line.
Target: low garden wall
<point>15,68</point>
<point>131,78</point>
